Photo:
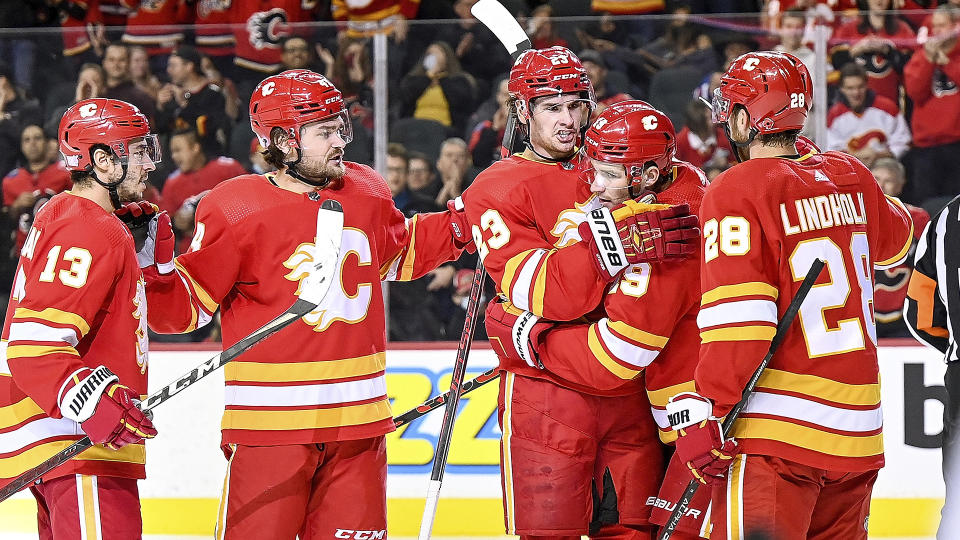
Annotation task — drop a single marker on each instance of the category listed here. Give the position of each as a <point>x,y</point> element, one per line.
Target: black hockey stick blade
<point>683,505</point>
<point>436,401</point>
<point>312,290</point>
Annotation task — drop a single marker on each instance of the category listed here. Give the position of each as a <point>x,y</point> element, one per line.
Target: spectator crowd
<point>892,67</point>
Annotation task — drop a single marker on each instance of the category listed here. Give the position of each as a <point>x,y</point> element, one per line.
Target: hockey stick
<point>450,411</point>
<point>435,402</point>
<point>495,17</point>
<point>312,290</point>
<point>499,21</point>
<point>684,503</point>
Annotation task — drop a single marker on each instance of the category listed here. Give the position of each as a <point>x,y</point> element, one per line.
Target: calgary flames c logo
<point>350,293</point>
<point>567,222</point>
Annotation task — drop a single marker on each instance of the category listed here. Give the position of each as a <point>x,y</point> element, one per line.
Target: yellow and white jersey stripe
<point>744,311</point>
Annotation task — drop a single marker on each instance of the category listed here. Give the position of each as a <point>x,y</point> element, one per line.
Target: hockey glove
<point>636,232</point>
<point>700,443</point>
<point>152,234</point>
<point>515,335</point>
<point>459,227</point>
<point>105,409</point>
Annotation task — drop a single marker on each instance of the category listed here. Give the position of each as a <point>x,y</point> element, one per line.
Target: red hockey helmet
<point>633,134</point>
<point>774,87</point>
<point>109,122</point>
<point>291,99</point>
<point>547,72</point>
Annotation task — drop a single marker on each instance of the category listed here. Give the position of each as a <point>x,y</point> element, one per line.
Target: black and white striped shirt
<point>932,307</point>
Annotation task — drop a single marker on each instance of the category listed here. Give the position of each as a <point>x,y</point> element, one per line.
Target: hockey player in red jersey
<point>648,324</point>
<point>75,334</point>
<point>804,453</point>
<point>528,214</point>
<point>311,402</point>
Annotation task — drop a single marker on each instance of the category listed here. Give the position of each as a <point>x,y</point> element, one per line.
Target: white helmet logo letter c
<point>750,63</point>
<point>649,122</point>
<point>88,110</point>
<point>268,88</point>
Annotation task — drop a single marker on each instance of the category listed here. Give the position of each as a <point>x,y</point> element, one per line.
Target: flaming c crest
<point>569,220</point>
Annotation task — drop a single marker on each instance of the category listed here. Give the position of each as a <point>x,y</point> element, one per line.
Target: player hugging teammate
<point>576,455</point>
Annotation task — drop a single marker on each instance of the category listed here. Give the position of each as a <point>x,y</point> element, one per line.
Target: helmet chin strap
<point>111,187</point>
<point>292,171</point>
<point>740,147</point>
<point>638,190</point>
<point>526,142</point>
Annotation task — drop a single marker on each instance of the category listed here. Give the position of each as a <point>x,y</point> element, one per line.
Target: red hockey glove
<point>700,443</point>
<point>106,410</point>
<point>636,232</point>
<point>459,227</point>
<point>152,234</point>
<point>515,335</point>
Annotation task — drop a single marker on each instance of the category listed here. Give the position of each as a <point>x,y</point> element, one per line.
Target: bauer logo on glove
<point>700,443</point>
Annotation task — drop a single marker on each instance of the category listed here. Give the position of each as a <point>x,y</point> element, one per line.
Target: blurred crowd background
<point>891,70</point>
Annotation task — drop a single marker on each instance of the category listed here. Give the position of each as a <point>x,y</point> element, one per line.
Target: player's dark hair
<point>271,154</point>
<point>86,176</point>
<point>782,138</point>
<point>80,177</point>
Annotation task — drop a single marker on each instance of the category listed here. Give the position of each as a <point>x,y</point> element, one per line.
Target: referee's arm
<point>925,309</point>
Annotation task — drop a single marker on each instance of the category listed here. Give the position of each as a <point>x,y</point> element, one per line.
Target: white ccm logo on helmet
<point>268,88</point>
<point>88,110</point>
<point>649,122</point>
<point>750,63</point>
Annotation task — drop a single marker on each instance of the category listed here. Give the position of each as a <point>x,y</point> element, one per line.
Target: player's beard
<point>322,168</point>
<point>131,189</point>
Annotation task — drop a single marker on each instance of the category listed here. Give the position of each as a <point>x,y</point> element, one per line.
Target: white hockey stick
<point>313,289</point>
<point>495,17</point>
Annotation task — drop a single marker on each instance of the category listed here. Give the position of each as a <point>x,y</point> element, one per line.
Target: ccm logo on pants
<point>361,535</point>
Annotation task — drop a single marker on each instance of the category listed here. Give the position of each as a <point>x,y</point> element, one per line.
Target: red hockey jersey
<point>260,25</point>
<point>366,17</point>
<point>524,216</point>
<point>883,77</point>
<point>764,223</point>
<point>936,99</point>
<point>890,290</point>
<point>650,325</point>
<point>78,300</point>
<point>181,185</point>
<point>214,37</point>
<point>52,179</point>
<point>322,378</point>
<point>152,24</point>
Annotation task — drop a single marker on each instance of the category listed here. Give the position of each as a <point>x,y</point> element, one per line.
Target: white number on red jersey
<point>848,334</point>
<point>500,233</point>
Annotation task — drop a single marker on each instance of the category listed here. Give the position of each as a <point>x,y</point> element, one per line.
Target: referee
<point>932,313</point>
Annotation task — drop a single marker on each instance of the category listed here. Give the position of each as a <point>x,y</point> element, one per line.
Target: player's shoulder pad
<point>366,179</point>
<point>504,180</point>
<point>237,197</point>
<point>688,186</point>
<point>84,224</point>
<point>844,169</point>
<point>13,173</point>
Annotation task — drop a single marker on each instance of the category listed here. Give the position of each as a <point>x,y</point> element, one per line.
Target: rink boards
<point>185,466</point>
